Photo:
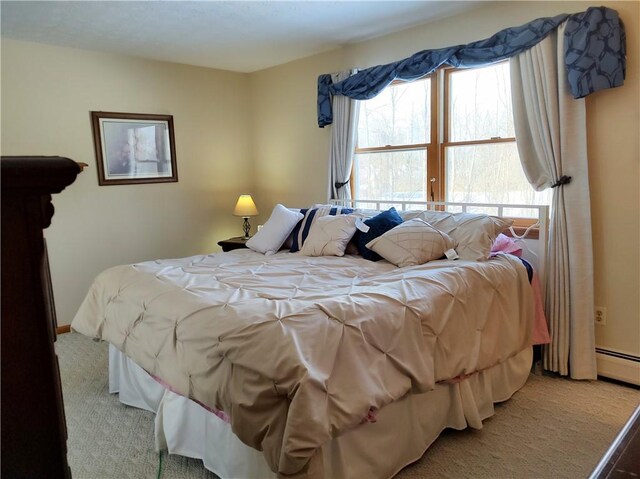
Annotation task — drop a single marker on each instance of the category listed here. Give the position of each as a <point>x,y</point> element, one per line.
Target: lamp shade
<point>245,206</point>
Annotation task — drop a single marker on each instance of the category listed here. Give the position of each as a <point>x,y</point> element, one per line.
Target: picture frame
<point>134,148</point>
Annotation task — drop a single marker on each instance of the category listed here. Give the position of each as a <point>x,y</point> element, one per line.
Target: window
<point>448,137</point>
<point>396,138</point>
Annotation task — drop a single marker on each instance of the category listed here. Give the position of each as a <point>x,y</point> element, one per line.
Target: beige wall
<point>292,152</point>
<point>47,94</point>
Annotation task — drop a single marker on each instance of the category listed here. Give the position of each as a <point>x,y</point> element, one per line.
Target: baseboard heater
<point>620,366</point>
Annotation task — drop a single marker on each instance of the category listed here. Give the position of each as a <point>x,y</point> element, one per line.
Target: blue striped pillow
<point>301,230</point>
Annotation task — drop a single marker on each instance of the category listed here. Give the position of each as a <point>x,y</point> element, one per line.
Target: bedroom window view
<point>476,160</point>
<point>394,138</point>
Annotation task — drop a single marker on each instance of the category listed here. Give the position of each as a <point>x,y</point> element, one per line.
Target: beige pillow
<point>329,235</point>
<point>302,229</point>
<point>473,233</point>
<point>412,242</point>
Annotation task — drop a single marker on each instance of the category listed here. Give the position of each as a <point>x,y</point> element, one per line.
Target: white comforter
<point>295,349</point>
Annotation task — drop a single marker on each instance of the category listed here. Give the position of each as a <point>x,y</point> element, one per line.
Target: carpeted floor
<point>551,428</point>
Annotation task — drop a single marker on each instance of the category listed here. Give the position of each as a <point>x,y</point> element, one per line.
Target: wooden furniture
<point>233,243</point>
<point>622,459</point>
<point>34,436</point>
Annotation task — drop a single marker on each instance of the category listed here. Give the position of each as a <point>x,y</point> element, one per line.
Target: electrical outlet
<point>601,315</point>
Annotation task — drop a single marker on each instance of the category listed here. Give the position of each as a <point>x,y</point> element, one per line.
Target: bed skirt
<point>401,434</point>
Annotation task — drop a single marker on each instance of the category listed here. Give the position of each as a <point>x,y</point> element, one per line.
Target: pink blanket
<point>540,329</point>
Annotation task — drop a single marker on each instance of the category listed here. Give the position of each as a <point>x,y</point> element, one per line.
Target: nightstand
<point>233,243</point>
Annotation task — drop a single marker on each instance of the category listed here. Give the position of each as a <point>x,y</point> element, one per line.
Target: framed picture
<point>134,148</point>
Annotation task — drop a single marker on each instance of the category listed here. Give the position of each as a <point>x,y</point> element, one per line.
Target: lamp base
<point>246,227</point>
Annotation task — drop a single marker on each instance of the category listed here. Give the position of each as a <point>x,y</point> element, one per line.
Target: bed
<point>320,365</point>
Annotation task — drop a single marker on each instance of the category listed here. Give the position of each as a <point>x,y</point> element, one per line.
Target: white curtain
<point>343,138</point>
<point>551,136</point>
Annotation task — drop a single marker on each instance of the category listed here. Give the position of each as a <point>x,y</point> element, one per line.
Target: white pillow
<point>473,233</point>
<point>329,235</point>
<point>412,242</point>
<point>272,235</point>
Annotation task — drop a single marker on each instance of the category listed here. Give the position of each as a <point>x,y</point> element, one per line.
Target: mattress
<point>295,351</point>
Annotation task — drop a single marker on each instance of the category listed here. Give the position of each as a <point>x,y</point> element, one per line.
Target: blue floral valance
<point>594,55</point>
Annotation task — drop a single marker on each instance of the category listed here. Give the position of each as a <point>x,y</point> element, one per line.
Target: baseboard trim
<point>65,328</point>
<point>620,366</point>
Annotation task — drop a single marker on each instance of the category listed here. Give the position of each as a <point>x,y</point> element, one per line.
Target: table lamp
<point>245,207</point>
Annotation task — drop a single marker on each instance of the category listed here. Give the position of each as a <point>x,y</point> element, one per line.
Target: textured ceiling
<point>241,36</point>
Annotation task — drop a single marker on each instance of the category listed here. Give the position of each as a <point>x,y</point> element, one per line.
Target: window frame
<point>445,75</point>
<point>431,148</point>
<point>439,142</point>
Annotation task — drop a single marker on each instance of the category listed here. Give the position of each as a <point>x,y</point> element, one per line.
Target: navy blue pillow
<point>378,225</point>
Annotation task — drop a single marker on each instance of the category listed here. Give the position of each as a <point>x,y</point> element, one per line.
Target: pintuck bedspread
<point>295,349</point>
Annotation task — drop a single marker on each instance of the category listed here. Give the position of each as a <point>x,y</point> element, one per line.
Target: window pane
<point>490,174</point>
<point>480,103</point>
<point>400,115</point>
<point>400,175</point>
